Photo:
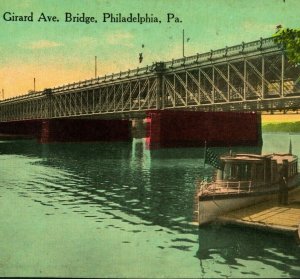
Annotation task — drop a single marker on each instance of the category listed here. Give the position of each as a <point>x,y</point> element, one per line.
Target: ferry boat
<point>243,180</point>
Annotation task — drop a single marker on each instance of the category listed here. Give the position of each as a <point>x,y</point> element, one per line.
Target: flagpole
<point>205,148</point>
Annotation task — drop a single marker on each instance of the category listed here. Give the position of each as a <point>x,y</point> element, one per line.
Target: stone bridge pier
<point>68,130</point>
<point>193,128</point>
<point>84,130</point>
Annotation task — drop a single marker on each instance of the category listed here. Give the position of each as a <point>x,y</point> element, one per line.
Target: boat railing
<point>223,187</point>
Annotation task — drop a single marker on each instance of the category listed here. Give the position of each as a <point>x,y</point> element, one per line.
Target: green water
<point>119,210</point>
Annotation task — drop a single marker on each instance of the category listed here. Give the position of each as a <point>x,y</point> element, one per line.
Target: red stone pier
<point>192,128</point>
<point>68,130</point>
<point>164,129</point>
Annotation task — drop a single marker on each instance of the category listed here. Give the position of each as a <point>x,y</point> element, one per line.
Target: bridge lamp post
<point>183,42</point>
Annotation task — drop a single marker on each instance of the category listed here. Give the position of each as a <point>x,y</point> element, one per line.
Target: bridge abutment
<point>192,128</point>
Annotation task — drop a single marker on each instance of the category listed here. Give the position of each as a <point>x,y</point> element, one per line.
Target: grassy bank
<point>289,127</point>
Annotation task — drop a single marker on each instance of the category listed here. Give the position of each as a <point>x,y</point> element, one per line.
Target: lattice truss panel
<point>241,80</point>
<point>125,96</point>
<point>25,109</point>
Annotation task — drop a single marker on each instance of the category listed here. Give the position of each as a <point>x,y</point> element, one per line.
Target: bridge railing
<point>23,97</point>
<point>106,78</point>
<point>224,52</point>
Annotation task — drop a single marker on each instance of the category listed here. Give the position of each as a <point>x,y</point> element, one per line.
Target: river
<point>120,210</point>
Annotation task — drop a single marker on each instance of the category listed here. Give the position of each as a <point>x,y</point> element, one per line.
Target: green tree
<point>289,39</point>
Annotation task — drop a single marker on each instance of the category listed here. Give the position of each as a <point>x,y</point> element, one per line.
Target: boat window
<point>259,172</point>
<point>245,171</point>
<point>227,172</point>
<point>237,172</point>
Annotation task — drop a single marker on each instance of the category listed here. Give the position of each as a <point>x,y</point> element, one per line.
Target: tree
<point>289,39</point>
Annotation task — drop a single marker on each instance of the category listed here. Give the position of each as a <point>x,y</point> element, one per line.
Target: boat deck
<point>269,215</point>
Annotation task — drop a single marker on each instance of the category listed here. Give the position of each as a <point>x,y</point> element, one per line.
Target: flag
<point>212,159</point>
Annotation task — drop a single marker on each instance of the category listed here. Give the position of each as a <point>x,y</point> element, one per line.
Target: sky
<point>56,53</point>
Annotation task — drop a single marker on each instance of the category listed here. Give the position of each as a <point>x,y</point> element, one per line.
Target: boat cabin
<point>259,169</point>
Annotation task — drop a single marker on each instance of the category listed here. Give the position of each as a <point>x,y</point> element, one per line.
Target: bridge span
<point>254,76</point>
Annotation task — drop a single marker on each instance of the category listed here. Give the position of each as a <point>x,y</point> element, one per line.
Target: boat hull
<point>210,209</point>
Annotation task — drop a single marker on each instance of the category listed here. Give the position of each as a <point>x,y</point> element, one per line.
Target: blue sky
<point>59,53</point>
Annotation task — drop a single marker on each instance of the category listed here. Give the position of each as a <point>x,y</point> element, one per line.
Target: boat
<point>243,180</point>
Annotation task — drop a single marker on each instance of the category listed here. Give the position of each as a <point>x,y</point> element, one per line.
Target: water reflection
<point>238,248</point>
<point>140,155</point>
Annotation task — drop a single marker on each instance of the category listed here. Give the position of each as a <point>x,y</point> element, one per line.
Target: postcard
<point>149,138</point>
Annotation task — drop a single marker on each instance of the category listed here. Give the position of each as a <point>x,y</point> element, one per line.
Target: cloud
<point>43,44</point>
<point>120,38</point>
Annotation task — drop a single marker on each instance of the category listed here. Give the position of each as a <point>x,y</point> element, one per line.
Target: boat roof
<point>279,157</point>
<point>284,156</point>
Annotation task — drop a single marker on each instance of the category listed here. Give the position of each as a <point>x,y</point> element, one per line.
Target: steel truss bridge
<point>254,76</point>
